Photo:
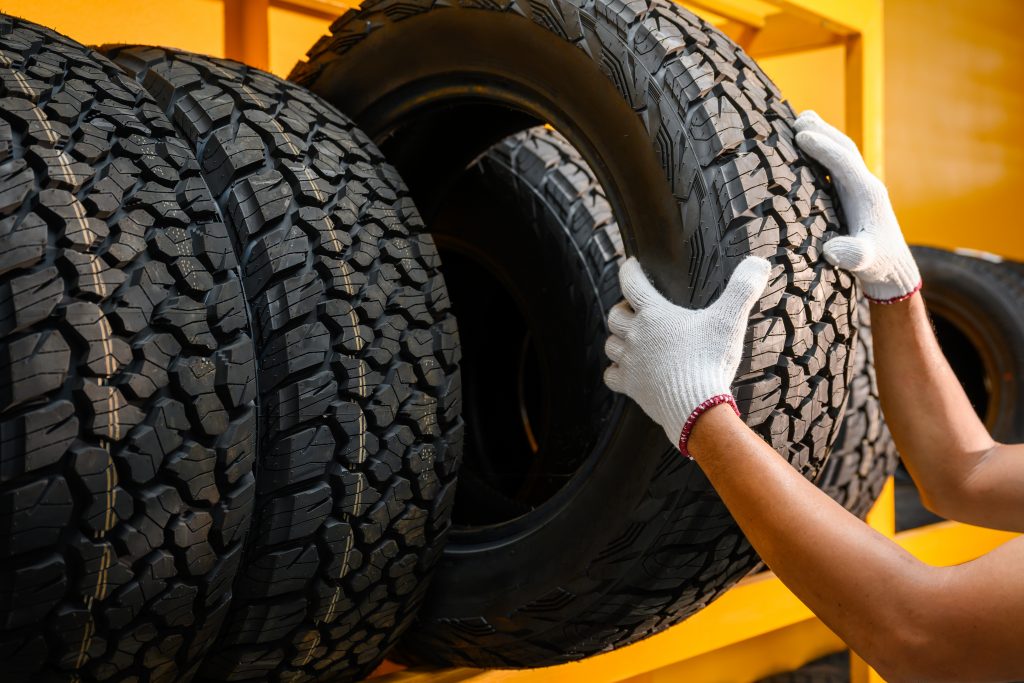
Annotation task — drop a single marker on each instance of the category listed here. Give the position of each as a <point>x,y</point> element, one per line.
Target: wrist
<point>901,281</point>
<point>884,299</point>
<point>719,402</point>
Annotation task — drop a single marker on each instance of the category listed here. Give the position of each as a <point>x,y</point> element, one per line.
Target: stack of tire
<point>229,397</point>
<point>233,397</point>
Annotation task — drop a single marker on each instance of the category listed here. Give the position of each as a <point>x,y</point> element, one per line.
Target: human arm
<point>962,473</point>
<point>909,621</point>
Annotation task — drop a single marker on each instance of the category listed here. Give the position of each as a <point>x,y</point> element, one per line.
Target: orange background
<point>954,95</point>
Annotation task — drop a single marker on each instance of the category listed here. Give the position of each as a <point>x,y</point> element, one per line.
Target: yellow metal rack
<point>758,627</point>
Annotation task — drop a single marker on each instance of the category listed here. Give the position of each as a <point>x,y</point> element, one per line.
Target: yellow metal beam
<point>842,17</point>
<point>949,543</point>
<point>774,652</point>
<point>246,32</point>
<point>785,33</point>
<point>860,672</point>
<point>882,516</point>
<point>326,9</point>
<point>737,10</point>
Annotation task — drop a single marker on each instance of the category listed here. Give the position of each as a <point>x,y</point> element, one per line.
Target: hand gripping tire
<point>127,378</point>
<point>360,430</point>
<point>694,150</point>
<point>864,455</point>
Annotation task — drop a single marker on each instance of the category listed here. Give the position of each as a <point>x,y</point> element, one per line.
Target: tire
<point>975,307</point>
<point>357,350</point>
<point>436,86</point>
<point>551,400</point>
<point>127,378</point>
<point>834,668</point>
<point>864,455</point>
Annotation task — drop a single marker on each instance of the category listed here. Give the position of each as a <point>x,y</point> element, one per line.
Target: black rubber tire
<point>864,455</point>
<point>660,544</point>
<point>357,349</point>
<point>127,378</point>
<point>694,150</point>
<point>834,668</point>
<point>975,306</point>
<point>550,231</point>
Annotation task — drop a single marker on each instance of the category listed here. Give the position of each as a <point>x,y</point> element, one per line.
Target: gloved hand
<point>875,251</point>
<point>677,362</point>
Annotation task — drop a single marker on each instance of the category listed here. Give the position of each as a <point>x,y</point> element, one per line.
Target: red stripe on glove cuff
<point>707,405</point>
<point>897,299</point>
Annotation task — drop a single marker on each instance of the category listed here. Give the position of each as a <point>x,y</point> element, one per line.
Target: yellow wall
<point>954,108</point>
<point>291,34</point>
<point>824,93</point>
<point>196,25</point>
<point>954,113</point>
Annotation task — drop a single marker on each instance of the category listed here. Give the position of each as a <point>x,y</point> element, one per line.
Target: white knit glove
<point>875,252</point>
<point>677,362</point>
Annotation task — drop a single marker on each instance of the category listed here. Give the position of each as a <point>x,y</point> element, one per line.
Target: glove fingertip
<point>747,284</point>
<point>620,317</point>
<point>806,119</point>
<point>636,287</point>
<point>758,267</point>
<point>613,378</point>
<point>819,147</point>
<point>849,253</point>
<point>831,257</point>
<point>614,347</point>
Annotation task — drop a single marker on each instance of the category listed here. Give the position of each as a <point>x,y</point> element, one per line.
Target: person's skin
<point>961,472</point>
<point>909,621</point>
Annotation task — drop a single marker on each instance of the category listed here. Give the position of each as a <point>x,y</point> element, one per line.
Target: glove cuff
<point>703,407</point>
<point>896,299</point>
<point>901,282</point>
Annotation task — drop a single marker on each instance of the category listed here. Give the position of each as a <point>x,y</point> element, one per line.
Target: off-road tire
<point>127,378</point>
<point>864,455</point>
<point>694,149</point>
<point>360,430</point>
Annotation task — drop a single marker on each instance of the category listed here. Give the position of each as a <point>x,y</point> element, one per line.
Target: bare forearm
<point>937,432</point>
<point>861,584</point>
<point>908,620</point>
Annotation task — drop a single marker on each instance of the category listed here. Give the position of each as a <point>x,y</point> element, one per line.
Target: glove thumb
<point>842,164</point>
<point>810,121</point>
<point>850,253</point>
<point>745,287</point>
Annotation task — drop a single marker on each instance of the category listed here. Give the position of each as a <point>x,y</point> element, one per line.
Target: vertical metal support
<point>865,112</point>
<point>865,122</point>
<point>883,519</point>
<point>246,32</point>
